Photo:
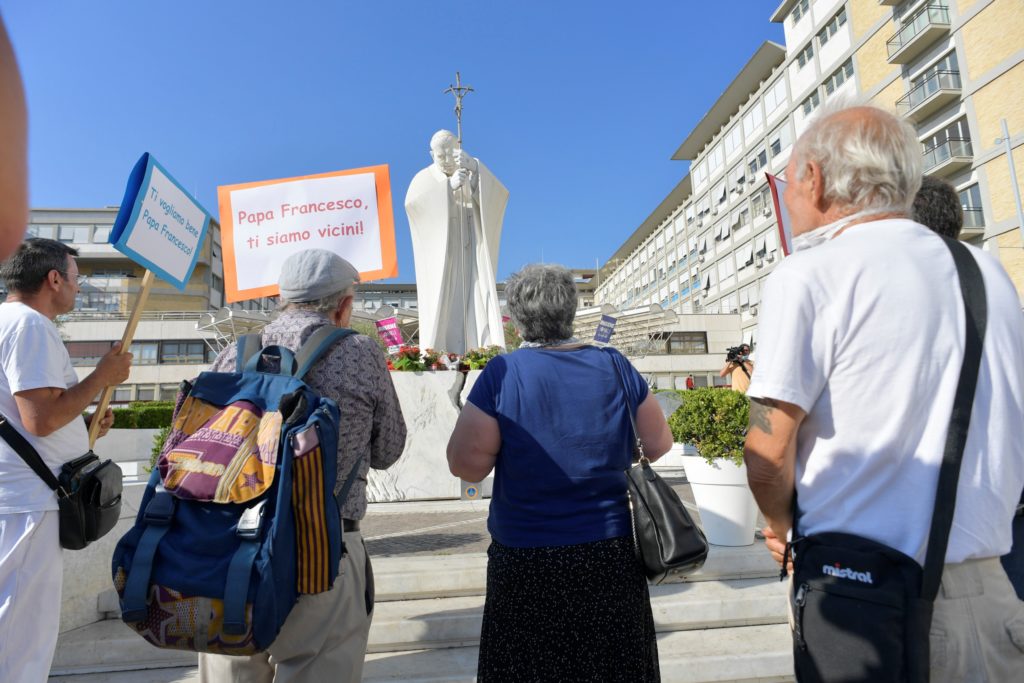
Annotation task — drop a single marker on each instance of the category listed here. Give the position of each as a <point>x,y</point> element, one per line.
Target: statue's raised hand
<point>459,178</point>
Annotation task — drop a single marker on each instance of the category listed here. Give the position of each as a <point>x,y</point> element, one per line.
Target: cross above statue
<point>459,91</point>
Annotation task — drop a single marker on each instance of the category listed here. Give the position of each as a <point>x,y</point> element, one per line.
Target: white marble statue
<point>456,207</point>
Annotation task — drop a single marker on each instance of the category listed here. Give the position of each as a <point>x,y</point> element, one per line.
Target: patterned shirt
<point>353,373</point>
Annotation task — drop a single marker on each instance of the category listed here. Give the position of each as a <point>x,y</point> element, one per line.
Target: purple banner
<point>390,333</point>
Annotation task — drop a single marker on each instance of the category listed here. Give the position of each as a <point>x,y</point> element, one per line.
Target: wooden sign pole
<point>126,342</point>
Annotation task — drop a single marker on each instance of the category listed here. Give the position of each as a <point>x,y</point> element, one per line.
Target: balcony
<point>955,154</point>
<point>920,31</point>
<point>930,95</point>
<point>974,222</point>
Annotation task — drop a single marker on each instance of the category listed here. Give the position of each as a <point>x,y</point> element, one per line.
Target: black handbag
<point>862,611</point>
<point>88,490</point>
<point>667,539</point>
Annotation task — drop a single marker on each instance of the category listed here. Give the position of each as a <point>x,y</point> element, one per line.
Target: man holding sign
<point>41,397</point>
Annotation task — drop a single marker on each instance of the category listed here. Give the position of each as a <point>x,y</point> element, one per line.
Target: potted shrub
<point>714,421</point>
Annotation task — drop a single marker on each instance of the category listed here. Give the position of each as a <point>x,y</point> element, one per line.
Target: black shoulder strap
<point>23,448</point>
<point>625,398</point>
<point>972,289</point>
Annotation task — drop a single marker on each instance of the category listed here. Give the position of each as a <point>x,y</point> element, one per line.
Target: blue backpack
<point>239,517</point>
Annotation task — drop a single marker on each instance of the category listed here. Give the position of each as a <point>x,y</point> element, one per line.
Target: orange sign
<point>263,223</point>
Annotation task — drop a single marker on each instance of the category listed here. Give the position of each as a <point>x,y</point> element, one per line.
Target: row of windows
<point>837,78</point>
<point>145,352</point>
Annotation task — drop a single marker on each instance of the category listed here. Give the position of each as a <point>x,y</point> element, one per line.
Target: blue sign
<point>605,329</point>
<point>160,226</point>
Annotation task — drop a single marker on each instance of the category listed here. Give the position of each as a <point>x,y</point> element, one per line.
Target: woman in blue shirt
<point>566,598</point>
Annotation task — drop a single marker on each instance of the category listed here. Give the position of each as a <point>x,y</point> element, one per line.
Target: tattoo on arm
<point>761,413</point>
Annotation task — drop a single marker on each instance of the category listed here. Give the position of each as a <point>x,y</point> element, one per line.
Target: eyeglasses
<point>79,279</point>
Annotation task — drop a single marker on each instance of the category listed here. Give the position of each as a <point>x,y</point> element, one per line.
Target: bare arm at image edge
<point>13,151</point>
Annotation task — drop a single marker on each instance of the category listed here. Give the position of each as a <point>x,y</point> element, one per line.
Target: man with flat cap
<point>325,635</point>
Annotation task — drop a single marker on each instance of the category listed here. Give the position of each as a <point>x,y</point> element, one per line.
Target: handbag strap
<point>23,448</point>
<point>625,398</point>
<point>972,290</point>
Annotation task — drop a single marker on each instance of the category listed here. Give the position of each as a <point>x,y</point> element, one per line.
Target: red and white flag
<point>778,186</point>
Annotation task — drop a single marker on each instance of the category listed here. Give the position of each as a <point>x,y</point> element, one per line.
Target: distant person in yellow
<point>739,365</point>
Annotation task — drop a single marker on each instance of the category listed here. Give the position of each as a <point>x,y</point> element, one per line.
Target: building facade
<point>951,69</point>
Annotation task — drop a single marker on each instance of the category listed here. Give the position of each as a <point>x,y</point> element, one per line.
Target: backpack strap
<point>318,343</point>
<point>236,588</point>
<point>342,495</point>
<point>158,516</point>
<point>248,346</point>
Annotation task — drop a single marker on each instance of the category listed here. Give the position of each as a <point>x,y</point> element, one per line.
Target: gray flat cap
<point>314,274</point>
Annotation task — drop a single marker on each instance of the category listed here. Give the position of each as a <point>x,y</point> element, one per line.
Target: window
<point>98,301</point>
<point>800,10</point>
<point>144,353</point>
<point>970,198</point>
<point>76,234</point>
<point>168,392</point>
<point>686,343</point>
<point>725,268</point>
<point>145,392</point>
<point>753,121</point>
<point>806,55</point>
<point>733,141</point>
<point>956,131</point>
<point>718,194</point>
<point>122,393</point>
<point>775,97</point>
<point>737,176</point>
<point>839,76</point>
<point>690,214</point>
<point>780,140</point>
<point>811,103</point>
<point>47,231</point>
<point>700,174</point>
<point>715,160</point>
<point>832,27</point>
<point>757,162</point>
<point>87,353</point>
<point>761,202</point>
<point>183,352</point>
<point>101,234</point>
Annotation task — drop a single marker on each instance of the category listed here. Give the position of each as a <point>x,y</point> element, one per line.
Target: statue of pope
<point>455,208</point>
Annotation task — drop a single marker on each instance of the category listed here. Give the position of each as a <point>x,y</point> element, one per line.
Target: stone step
<point>111,646</point>
<point>744,654</point>
<point>435,576</point>
<point>455,622</point>
<point>444,623</point>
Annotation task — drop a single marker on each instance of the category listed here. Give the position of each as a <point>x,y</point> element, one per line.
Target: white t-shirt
<point>32,356</point>
<point>866,334</point>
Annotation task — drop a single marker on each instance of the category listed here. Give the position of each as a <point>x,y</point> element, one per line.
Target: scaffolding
<point>227,325</point>
<point>637,330</point>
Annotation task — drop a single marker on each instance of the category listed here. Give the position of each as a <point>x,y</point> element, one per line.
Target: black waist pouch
<point>89,500</point>
<point>857,612</point>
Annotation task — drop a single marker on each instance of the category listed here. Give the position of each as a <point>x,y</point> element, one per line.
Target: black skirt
<point>567,613</point>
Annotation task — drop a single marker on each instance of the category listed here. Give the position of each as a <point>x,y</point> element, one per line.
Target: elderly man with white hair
<point>324,637</point>
<point>861,343</point>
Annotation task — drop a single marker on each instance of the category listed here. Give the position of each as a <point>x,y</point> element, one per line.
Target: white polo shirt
<point>33,356</point>
<point>866,334</point>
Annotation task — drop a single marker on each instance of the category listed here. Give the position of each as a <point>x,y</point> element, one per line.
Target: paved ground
<point>445,528</point>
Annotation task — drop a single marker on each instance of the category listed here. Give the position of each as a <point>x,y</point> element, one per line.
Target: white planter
<point>727,509</point>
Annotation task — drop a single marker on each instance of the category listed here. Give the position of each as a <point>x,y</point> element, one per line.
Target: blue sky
<point>577,110</point>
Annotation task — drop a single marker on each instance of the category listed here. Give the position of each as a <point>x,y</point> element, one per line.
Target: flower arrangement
<point>411,359</point>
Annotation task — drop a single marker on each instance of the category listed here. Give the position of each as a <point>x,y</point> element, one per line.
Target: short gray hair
<point>542,302</point>
<point>324,306</point>
<point>869,158</point>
